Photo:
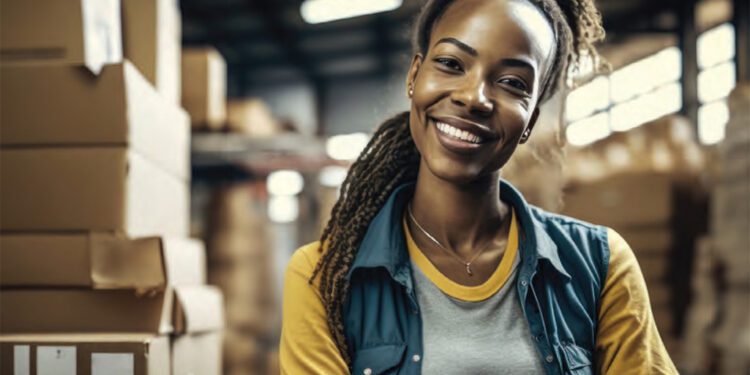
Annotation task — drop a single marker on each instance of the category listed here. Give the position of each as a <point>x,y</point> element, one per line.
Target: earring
<point>525,134</point>
<point>411,91</point>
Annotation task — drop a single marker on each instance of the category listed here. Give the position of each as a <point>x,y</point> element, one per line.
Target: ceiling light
<point>319,11</point>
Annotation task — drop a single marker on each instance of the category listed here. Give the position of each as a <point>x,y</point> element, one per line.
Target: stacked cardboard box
<point>204,87</point>
<point>97,273</point>
<point>241,266</point>
<point>730,224</point>
<point>253,117</point>
<point>659,215</point>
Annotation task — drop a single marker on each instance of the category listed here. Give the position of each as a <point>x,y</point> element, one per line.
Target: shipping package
<point>204,87</point>
<point>82,32</point>
<point>84,354</point>
<point>253,117</point>
<point>98,311</point>
<point>199,317</point>
<point>100,261</point>
<point>109,189</point>
<point>66,105</point>
<point>152,37</point>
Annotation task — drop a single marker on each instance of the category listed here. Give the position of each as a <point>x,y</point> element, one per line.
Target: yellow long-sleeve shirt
<point>627,340</point>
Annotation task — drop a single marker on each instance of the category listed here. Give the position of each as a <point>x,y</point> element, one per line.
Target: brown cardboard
<point>90,189</point>
<point>622,200</point>
<point>89,354</point>
<point>152,33</point>
<point>197,353</point>
<point>65,105</point>
<point>204,87</point>
<point>253,117</point>
<point>80,32</point>
<point>85,311</point>
<point>179,310</point>
<point>100,261</point>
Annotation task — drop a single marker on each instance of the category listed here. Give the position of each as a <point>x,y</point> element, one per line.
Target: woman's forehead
<point>503,26</point>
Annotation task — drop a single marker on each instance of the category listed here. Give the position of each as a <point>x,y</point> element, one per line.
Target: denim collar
<point>384,244</point>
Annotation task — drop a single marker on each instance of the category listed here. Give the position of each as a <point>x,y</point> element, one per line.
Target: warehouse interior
<point>161,161</point>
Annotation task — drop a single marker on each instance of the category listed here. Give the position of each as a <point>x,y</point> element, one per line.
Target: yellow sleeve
<point>627,341</point>
<point>306,346</point>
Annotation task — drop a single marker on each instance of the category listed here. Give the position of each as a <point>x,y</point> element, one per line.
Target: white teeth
<point>458,133</point>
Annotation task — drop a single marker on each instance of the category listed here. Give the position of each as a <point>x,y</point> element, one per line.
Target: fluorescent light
<point>716,45</point>
<point>716,83</point>
<point>284,183</point>
<point>662,101</point>
<point>346,146</point>
<point>283,208</point>
<point>647,74</point>
<point>319,11</point>
<point>588,130</point>
<point>712,122</point>
<point>587,99</point>
<point>332,176</point>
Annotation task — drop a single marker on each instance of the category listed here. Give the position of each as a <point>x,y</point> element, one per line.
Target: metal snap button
<point>524,283</point>
<point>368,371</point>
<point>549,358</point>
<point>416,358</point>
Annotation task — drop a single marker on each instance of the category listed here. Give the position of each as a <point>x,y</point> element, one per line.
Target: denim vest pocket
<point>577,360</point>
<point>378,359</point>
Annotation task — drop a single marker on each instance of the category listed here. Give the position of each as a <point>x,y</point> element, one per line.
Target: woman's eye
<point>449,63</point>
<point>514,83</point>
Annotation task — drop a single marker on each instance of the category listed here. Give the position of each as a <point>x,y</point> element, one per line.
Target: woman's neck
<point>461,217</point>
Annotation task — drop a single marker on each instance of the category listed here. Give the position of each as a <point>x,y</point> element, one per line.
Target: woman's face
<point>476,91</point>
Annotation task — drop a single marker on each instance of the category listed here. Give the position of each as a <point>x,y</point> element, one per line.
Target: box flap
<point>117,262</point>
<point>198,309</point>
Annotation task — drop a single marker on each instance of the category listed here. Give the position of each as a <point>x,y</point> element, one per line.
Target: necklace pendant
<point>468,269</point>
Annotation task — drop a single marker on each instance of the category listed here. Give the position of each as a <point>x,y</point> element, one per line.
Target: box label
<point>112,364</point>
<point>56,360</point>
<point>21,360</point>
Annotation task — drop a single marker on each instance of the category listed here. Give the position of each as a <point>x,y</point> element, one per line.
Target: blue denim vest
<point>563,268</point>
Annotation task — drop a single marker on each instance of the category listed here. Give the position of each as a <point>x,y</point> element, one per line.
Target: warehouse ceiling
<point>267,41</point>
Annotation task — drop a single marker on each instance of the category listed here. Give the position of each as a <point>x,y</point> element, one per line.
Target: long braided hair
<point>391,158</point>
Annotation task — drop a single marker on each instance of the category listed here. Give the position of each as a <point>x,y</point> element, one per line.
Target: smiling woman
<point>431,263</point>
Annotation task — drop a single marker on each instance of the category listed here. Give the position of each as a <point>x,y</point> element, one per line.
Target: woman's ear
<point>411,76</point>
<point>527,132</point>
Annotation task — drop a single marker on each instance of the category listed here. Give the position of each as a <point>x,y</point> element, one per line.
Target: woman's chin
<point>457,173</point>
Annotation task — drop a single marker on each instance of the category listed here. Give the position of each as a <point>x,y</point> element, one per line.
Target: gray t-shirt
<point>485,337</point>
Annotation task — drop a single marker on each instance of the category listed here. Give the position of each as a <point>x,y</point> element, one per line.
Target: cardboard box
<point>82,32</point>
<point>252,117</point>
<point>197,353</point>
<point>204,87</point>
<point>65,105</point>
<point>152,37</point>
<point>84,354</point>
<point>100,261</point>
<point>90,189</point>
<point>623,200</point>
<point>176,310</point>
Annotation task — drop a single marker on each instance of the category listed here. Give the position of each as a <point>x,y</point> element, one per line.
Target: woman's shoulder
<point>305,258</point>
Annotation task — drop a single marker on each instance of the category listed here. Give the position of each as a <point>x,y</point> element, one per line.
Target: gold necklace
<point>452,253</point>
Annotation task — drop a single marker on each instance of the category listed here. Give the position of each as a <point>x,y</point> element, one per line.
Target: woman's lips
<point>455,140</point>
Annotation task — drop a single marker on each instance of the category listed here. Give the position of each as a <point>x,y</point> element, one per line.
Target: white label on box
<point>56,360</point>
<point>21,360</point>
<point>102,33</point>
<point>112,364</point>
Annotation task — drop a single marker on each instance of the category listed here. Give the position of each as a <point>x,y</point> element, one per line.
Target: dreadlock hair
<point>391,157</point>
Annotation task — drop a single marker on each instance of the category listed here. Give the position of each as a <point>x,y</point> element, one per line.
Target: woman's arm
<point>627,340</point>
<point>307,346</point>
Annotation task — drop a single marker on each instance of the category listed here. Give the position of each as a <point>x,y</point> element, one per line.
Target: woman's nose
<point>473,97</point>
